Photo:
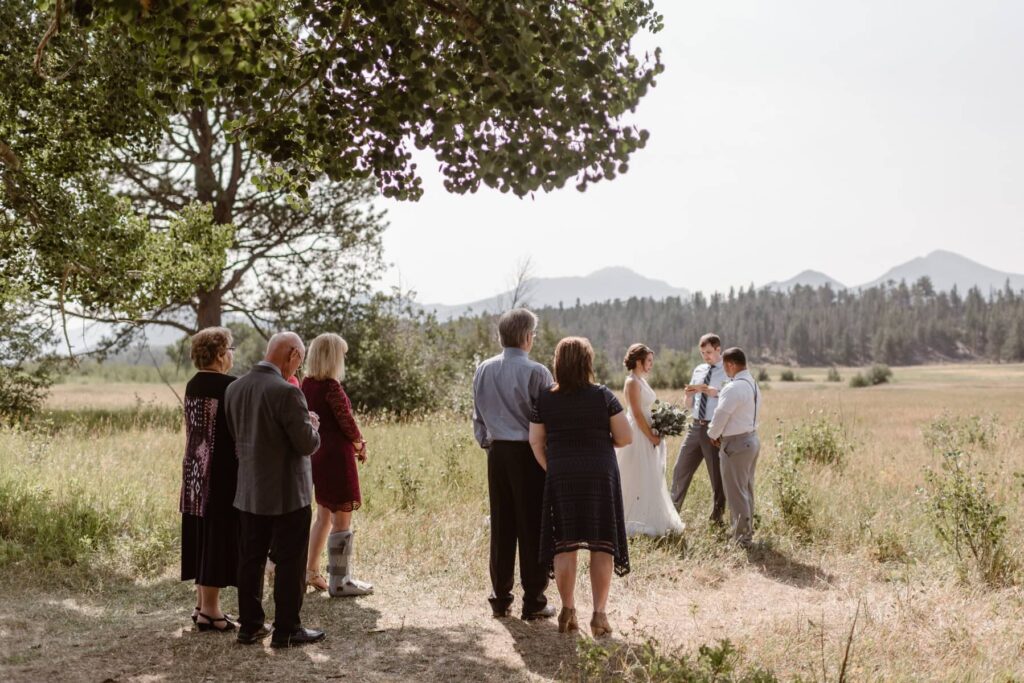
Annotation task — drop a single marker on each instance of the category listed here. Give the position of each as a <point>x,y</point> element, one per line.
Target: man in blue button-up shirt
<point>505,388</point>
<point>702,399</point>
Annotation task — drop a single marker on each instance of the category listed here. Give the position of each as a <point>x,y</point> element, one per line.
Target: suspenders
<point>756,394</point>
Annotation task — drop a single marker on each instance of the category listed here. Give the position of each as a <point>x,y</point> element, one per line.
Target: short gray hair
<point>516,326</point>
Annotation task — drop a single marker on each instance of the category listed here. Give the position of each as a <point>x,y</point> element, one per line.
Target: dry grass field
<point>88,532</point>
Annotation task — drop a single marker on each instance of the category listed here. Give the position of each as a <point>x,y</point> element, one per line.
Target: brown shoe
<point>599,625</point>
<point>567,620</point>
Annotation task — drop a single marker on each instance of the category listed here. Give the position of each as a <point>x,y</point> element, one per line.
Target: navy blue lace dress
<point>582,494</point>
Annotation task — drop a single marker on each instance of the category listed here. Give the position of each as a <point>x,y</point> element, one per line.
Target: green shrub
<point>407,492</point>
<point>791,498</point>
<point>819,440</point>
<point>763,376</point>
<point>648,662</point>
<point>888,546</point>
<point>967,519</point>
<point>879,374</point>
<point>672,370</point>
<point>833,375</point>
<point>950,432</point>
<point>859,381</point>
<point>873,376</point>
<point>787,376</point>
<point>42,527</point>
<point>25,373</point>
<point>454,451</point>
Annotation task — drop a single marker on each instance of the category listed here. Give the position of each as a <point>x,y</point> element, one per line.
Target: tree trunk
<point>208,311</point>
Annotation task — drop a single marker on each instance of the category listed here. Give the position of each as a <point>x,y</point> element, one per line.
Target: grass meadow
<point>848,579</point>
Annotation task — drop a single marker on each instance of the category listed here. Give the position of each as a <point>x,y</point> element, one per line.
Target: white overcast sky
<point>846,137</point>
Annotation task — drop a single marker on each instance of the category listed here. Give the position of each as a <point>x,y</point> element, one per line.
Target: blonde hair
<point>326,357</point>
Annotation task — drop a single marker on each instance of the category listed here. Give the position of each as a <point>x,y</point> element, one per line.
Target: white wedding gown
<point>645,499</point>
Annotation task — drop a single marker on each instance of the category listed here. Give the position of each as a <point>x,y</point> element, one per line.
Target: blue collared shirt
<point>717,381</point>
<point>505,388</point>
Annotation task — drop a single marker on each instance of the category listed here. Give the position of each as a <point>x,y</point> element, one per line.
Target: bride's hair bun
<point>636,354</point>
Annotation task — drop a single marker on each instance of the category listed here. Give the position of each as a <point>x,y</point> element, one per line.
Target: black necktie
<point>704,397</point>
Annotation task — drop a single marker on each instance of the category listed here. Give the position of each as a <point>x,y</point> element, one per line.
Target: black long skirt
<point>209,548</point>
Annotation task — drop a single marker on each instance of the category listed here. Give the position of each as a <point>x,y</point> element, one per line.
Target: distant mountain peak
<point>615,270</point>
<point>807,278</point>
<point>947,269</point>
<point>605,284</point>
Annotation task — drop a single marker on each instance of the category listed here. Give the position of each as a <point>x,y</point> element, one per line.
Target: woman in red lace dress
<point>335,475</point>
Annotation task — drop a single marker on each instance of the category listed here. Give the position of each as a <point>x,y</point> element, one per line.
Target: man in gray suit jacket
<point>274,436</point>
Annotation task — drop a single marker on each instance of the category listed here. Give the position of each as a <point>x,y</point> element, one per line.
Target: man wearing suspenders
<point>733,430</point>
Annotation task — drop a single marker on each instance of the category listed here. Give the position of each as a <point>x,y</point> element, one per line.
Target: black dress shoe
<point>300,636</point>
<point>246,637</point>
<point>501,614</point>
<point>543,613</point>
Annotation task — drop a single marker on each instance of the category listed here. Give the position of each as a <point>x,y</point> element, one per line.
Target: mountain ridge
<point>945,268</point>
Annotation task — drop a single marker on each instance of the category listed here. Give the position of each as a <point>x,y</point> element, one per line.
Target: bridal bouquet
<point>668,419</point>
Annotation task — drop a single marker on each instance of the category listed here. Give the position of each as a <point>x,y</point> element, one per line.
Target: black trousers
<point>288,534</point>
<point>516,485</point>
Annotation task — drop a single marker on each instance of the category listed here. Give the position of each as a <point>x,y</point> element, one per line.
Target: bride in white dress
<point>645,499</point>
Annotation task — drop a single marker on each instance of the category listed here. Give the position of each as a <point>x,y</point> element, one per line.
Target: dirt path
<point>789,616</point>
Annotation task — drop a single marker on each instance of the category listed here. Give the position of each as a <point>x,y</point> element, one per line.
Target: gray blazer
<point>274,438</point>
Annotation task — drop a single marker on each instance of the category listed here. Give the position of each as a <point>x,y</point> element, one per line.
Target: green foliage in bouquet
<point>668,419</point>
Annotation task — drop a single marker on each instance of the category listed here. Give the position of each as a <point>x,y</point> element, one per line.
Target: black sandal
<point>209,626</point>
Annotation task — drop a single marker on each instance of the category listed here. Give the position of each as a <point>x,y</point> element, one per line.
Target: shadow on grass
<point>784,569</point>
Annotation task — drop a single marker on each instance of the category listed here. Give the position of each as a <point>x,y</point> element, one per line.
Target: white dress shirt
<point>717,381</point>
<point>738,407</point>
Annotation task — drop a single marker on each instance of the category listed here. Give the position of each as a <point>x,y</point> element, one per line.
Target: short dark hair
<point>736,356</point>
<point>516,326</point>
<point>208,345</point>
<point>637,353</point>
<point>574,364</point>
<point>710,338</point>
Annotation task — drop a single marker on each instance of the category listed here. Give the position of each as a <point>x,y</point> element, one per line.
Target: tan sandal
<point>316,580</point>
<point>567,620</point>
<point>599,625</point>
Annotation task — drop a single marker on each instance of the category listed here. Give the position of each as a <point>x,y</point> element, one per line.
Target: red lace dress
<point>335,476</point>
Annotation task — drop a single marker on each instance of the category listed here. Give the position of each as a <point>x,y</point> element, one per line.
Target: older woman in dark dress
<point>209,521</point>
<point>574,430</point>
<point>335,474</point>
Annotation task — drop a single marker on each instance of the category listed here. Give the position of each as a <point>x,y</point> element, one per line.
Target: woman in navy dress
<point>575,427</point>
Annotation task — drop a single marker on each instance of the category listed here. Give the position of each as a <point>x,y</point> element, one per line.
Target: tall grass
<point>90,490</point>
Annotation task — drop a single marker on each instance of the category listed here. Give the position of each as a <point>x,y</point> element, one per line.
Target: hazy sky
<point>846,137</point>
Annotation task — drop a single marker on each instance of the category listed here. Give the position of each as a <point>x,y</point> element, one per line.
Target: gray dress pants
<point>697,449</point>
<point>738,458</point>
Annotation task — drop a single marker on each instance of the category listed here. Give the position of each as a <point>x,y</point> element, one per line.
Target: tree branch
<point>58,16</point>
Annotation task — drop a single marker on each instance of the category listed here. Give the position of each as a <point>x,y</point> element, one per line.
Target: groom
<point>701,400</point>
<point>505,388</point>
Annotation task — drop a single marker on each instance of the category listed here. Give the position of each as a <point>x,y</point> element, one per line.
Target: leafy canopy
<point>63,232</point>
<point>518,94</point>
